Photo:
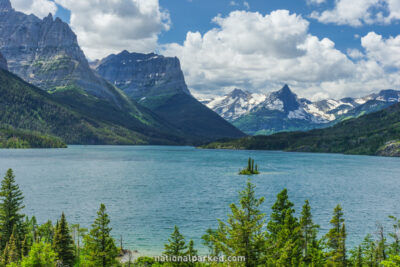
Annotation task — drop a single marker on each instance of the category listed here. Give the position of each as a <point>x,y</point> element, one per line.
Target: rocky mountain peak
<point>5,6</point>
<point>238,93</point>
<point>143,76</point>
<point>289,99</point>
<point>3,62</point>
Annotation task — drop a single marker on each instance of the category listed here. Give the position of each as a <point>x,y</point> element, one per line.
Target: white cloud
<point>109,26</point>
<point>40,8</point>
<point>385,52</point>
<point>261,52</point>
<point>355,53</point>
<point>233,3</point>
<point>246,5</point>
<point>316,2</point>
<point>358,12</point>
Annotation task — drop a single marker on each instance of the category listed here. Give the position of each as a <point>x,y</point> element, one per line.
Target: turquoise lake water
<point>147,190</point>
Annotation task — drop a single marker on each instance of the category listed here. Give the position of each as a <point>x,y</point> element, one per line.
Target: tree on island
<point>251,168</point>
<point>100,249</point>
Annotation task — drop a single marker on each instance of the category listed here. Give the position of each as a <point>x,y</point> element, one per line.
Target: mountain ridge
<point>283,110</point>
<point>376,133</point>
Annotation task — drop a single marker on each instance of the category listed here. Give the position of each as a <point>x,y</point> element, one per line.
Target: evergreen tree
<point>10,207</point>
<point>100,249</point>
<point>280,209</point>
<point>11,252</point>
<point>192,252</point>
<point>243,235</point>
<point>63,244</point>
<point>176,245</point>
<point>337,239</point>
<point>284,235</point>
<point>45,232</point>
<point>309,243</point>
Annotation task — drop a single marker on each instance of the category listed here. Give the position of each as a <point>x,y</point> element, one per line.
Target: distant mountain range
<point>377,133</point>
<point>282,111</point>
<point>46,54</point>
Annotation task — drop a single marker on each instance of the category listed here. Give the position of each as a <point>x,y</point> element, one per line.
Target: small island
<point>251,168</point>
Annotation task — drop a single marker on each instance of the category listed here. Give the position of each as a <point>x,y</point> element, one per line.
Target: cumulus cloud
<point>385,52</point>
<point>109,26</point>
<point>40,8</point>
<point>358,12</point>
<point>261,52</point>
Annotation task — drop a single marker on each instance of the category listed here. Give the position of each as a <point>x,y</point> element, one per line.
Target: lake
<point>149,189</point>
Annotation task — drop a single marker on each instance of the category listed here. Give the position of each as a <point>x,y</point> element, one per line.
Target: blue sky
<point>321,48</point>
<point>197,15</point>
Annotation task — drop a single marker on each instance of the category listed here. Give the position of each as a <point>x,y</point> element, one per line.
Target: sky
<point>321,48</point>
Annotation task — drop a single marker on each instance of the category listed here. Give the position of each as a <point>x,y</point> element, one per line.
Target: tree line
<point>283,240</point>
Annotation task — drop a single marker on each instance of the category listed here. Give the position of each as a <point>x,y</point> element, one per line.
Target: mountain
<point>281,111</point>
<point>376,133</point>
<point>28,108</point>
<point>157,82</point>
<point>3,62</point>
<point>46,54</point>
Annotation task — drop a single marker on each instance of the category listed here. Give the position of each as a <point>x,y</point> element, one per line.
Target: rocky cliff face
<point>46,53</point>
<point>3,62</point>
<point>143,75</point>
<point>157,82</point>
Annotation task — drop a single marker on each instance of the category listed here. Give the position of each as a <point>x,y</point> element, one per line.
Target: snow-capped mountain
<point>235,104</point>
<point>285,111</point>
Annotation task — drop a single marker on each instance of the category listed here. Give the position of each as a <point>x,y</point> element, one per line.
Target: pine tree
<point>63,244</point>
<point>12,252</point>
<point>337,238</point>
<point>242,235</point>
<point>176,245</point>
<point>192,252</point>
<point>10,207</point>
<point>309,230</point>
<point>100,249</point>
<point>283,242</point>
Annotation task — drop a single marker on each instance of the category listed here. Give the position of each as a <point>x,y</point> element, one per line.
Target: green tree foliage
<point>45,232</point>
<point>11,252</point>
<point>243,234</point>
<point>63,244</point>
<point>284,235</point>
<point>100,249</point>
<point>310,245</point>
<point>11,205</point>
<point>41,255</point>
<point>337,239</point>
<point>176,244</point>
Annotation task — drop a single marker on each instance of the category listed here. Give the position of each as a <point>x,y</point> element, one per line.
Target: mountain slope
<point>372,134</point>
<point>157,82</point>
<point>3,62</point>
<point>24,106</point>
